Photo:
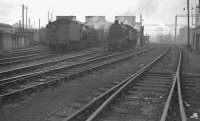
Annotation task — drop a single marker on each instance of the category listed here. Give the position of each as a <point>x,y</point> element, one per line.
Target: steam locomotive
<point>121,36</point>
<point>68,34</point>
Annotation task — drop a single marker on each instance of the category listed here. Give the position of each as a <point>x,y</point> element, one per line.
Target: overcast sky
<point>154,11</point>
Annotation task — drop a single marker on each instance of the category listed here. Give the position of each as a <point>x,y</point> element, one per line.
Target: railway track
<point>27,70</point>
<point>191,95</point>
<point>27,56</point>
<point>20,59</point>
<point>43,68</point>
<point>143,96</point>
<point>20,86</point>
<point>22,52</point>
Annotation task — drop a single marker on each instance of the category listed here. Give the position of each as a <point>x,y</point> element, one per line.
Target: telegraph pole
<point>22,17</point>
<point>141,19</point>
<point>175,27</point>
<point>29,22</point>
<point>188,11</point>
<point>26,18</point>
<point>39,23</point>
<point>48,16</point>
<point>39,30</point>
<point>51,16</point>
<point>20,26</point>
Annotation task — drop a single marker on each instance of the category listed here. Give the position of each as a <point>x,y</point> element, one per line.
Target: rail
<point>176,81</point>
<point>6,95</point>
<point>181,106</point>
<point>130,80</point>
<point>99,102</point>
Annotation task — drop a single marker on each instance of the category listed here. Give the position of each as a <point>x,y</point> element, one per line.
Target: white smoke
<point>98,22</point>
<point>159,11</point>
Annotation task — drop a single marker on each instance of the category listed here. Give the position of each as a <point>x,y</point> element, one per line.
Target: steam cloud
<point>159,11</point>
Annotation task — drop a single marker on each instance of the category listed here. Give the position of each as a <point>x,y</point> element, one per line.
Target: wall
<point>195,41</point>
<point>7,41</point>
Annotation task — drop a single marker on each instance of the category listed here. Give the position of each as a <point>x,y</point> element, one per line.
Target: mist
<point>153,11</point>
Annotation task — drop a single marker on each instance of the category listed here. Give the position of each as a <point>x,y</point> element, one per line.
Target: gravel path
<point>39,106</point>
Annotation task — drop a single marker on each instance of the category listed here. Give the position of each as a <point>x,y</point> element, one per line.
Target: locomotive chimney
<point>116,22</point>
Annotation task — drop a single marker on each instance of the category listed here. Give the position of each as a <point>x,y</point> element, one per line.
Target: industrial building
<point>183,35</point>
<point>13,38</point>
<point>195,41</point>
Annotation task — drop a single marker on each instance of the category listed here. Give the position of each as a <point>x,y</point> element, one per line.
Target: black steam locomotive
<point>121,36</point>
<point>67,34</point>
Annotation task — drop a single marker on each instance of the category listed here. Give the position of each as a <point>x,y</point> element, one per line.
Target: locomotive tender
<point>66,34</point>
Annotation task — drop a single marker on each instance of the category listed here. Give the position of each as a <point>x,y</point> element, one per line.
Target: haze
<point>154,11</point>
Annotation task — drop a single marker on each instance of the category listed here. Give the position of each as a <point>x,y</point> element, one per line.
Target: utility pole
<point>175,27</point>
<point>39,24</point>
<point>29,22</point>
<point>48,16</point>
<point>51,16</point>
<point>141,19</point>
<point>26,19</point>
<point>39,31</point>
<point>22,17</point>
<point>20,26</point>
<point>188,11</point>
<point>34,24</point>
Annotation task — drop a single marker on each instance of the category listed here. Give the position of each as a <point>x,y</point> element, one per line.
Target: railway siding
<point>116,104</point>
<point>84,111</point>
<point>39,104</point>
<point>43,79</point>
